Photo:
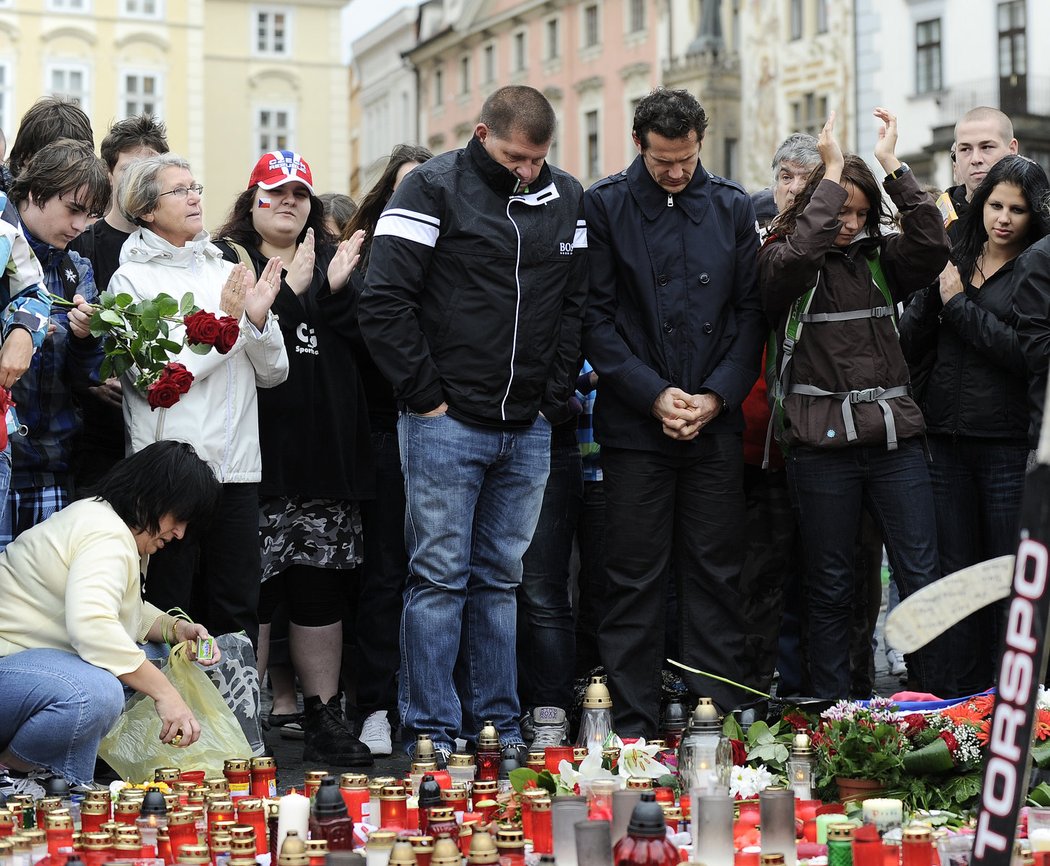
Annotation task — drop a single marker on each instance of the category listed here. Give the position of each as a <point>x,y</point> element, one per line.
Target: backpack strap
<point>777,366</point>
<point>782,385</point>
<point>242,254</point>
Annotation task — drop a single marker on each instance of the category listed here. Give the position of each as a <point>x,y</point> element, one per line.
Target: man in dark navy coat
<point>674,327</point>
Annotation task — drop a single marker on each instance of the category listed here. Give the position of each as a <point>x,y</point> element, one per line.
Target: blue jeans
<point>473,497</point>
<point>55,709</point>
<point>546,634</point>
<point>828,488</point>
<point>977,488</point>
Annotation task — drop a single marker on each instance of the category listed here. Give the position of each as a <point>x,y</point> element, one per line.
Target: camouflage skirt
<point>324,533</point>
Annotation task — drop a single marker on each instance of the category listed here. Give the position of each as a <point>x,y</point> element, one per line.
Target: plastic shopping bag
<point>133,747</point>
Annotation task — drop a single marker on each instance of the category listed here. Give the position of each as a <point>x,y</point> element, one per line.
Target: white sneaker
<point>550,725</point>
<point>24,783</point>
<point>375,733</point>
<point>896,659</point>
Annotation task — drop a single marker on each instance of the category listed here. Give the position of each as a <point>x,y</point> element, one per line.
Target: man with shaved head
<point>983,136</point>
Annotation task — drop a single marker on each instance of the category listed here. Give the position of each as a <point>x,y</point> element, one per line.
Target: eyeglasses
<point>183,191</point>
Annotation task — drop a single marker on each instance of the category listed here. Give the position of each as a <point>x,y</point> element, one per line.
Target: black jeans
<point>771,564</point>
<point>687,512</point>
<point>383,576</point>
<point>977,487</point>
<point>828,488</point>
<point>592,584</point>
<point>213,574</point>
<point>546,636</point>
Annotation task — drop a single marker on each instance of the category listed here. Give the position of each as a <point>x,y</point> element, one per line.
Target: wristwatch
<point>901,170</point>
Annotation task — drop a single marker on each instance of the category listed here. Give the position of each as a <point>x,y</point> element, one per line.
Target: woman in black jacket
<point>975,400</point>
<point>314,438</point>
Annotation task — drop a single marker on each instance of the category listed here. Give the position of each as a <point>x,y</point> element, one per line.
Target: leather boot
<point>327,737</point>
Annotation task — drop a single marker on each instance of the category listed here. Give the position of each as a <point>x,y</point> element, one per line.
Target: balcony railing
<point>954,101</point>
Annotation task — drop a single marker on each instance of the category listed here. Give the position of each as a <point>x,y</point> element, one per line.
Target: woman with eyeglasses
<point>316,456</point>
<point>975,402</point>
<point>213,575</point>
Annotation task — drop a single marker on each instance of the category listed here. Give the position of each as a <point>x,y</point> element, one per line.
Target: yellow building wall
<point>311,84</point>
<point>213,80</point>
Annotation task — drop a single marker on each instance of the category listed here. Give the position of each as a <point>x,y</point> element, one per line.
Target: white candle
<point>293,813</point>
<point>885,814</point>
<point>1039,839</point>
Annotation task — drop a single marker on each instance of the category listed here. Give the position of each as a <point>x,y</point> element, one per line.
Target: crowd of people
<point>487,430</point>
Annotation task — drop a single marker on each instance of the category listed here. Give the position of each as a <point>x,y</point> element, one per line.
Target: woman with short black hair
<point>73,614</point>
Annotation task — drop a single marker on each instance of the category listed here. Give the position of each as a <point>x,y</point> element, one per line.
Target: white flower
<point>590,768</point>
<point>747,782</point>
<point>638,759</point>
<point>1042,701</point>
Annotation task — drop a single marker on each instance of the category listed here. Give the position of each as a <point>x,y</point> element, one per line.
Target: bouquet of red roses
<point>139,337</point>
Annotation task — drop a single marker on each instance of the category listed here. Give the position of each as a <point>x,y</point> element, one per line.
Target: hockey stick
<point>932,610</point>
<point>1022,662</point>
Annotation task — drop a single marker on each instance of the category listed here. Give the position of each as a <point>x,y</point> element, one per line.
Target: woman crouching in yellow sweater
<point>73,617</point>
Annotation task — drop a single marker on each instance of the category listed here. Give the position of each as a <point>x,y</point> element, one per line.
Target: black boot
<point>327,736</point>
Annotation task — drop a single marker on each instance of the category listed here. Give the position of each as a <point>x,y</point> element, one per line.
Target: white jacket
<point>219,414</point>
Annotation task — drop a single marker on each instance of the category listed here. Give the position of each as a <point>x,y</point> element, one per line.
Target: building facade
<point>952,57</point>
<point>386,108</point>
<point>274,79</point>
<point>230,78</point>
<point>593,60</point>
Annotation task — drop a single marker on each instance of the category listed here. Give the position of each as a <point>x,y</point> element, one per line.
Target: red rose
<point>162,394</point>
<point>916,722</point>
<point>178,375</point>
<point>202,327</point>
<point>173,382</point>
<point>739,753</point>
<point>950,741</point>
<point>229,331</point>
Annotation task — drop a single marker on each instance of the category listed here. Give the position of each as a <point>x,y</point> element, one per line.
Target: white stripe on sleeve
<point>409,225</point>
<point>579,240</point>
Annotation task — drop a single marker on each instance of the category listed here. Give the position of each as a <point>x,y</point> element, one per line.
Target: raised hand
<point>346,257</point>
<point>830,151</point>
<point>260,295</point>
<point>886,145</point>
<point>300,272</point>
<point>231,301</point>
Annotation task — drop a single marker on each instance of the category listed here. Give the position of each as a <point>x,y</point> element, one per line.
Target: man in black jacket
<point>674,328</point>
<point>472,310</point>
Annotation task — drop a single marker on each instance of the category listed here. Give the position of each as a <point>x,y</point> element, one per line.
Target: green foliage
<point>770,745</point>
<point>520,778</point>
<point>932,758</point>
<point>1041,753</point>
<point>862,747</point>
<point>667,780</point>
<point>136,336</point>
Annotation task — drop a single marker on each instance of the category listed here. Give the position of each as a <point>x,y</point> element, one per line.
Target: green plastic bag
<point>133,747</point>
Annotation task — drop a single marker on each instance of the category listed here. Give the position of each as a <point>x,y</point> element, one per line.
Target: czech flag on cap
<point>279,167</point>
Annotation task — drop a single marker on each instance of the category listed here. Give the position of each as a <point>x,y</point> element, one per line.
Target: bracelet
<point>171,637</point>
<point>899,172</point>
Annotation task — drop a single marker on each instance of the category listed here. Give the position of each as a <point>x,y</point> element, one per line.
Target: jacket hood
<point>144,245</point>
